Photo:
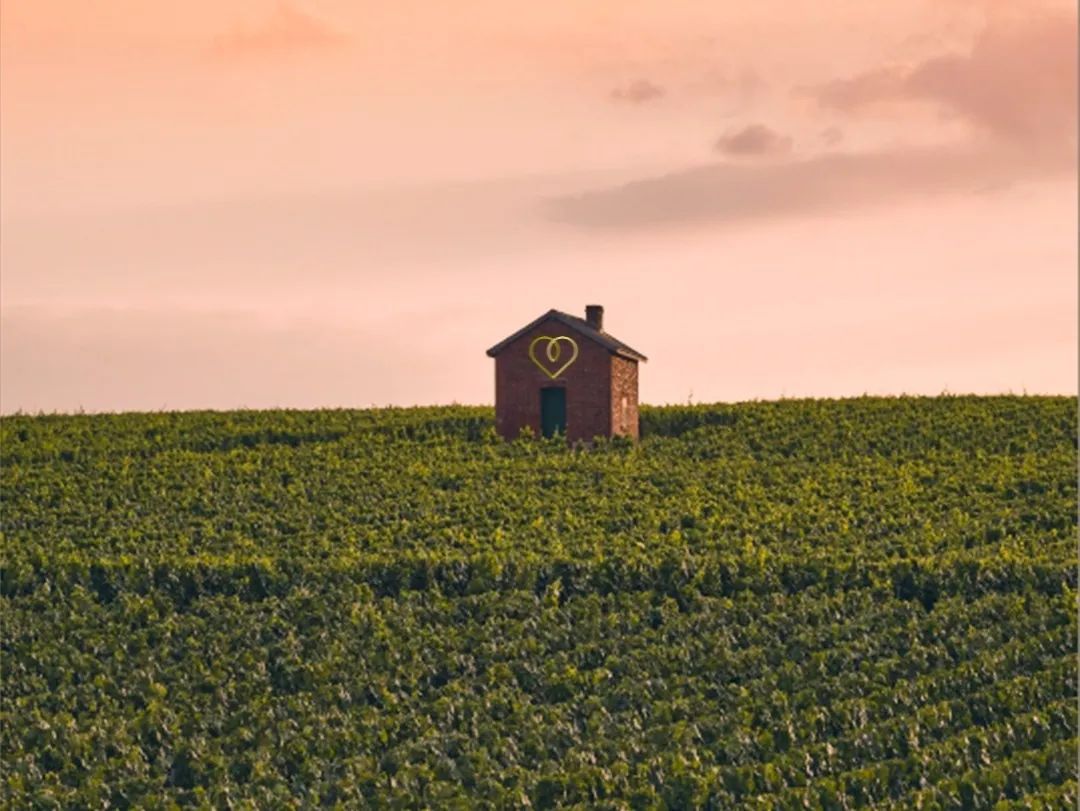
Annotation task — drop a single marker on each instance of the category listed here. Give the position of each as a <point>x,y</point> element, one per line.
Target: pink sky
<point>252,203</point>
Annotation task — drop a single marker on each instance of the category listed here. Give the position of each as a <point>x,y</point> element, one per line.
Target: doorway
<point>553,410</point>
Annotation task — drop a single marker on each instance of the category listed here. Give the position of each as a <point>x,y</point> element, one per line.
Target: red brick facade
<point>624,397</point>
<point>601,384</point>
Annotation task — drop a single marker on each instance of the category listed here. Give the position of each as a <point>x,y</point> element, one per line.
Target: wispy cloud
<point>288,30</point>
<point>639,91</point>
<point>1018,83</point>
<point>733,192</point>
<point>1016,89</point>
<point>831,136</point>
<point>753,141</point>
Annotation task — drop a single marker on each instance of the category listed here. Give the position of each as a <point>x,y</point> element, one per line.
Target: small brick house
<point>564,374</point>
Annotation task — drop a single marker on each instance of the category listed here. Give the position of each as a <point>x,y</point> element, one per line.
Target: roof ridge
<point>603,338</point>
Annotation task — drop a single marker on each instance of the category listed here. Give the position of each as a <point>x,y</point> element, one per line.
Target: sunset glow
<point>253,203</point>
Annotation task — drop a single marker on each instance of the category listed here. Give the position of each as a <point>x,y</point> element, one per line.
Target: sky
<point>344,203</point>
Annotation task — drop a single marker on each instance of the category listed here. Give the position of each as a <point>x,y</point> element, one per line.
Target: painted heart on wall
<point>551,354</point>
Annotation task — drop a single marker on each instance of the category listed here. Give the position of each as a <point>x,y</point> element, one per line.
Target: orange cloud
<point>287,30</point>
<point>732,192</point>
<point>1019,82</point>
<point>753,141</point>
<point>638,92</point>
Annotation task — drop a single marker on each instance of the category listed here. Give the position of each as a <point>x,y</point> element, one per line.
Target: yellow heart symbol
<point>553,351</point>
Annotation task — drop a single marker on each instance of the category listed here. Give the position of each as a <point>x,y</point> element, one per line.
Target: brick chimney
<point>594,314</point>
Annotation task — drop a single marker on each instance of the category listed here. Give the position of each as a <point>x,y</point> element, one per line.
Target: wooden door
<point>553,410</point>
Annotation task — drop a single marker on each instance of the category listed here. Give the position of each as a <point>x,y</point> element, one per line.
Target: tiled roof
<point>578,324</point>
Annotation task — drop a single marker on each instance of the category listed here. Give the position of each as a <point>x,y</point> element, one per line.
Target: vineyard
<point>774,605</point>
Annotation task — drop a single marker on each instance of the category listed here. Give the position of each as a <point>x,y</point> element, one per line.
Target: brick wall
<point>587,380</point>
<point>624,397</point>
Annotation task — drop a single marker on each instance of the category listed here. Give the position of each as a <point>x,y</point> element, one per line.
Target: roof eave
<point>501,345</point>
<point>576,324</point>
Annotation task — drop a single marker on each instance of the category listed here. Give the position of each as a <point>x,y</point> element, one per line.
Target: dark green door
<point>553,411</point>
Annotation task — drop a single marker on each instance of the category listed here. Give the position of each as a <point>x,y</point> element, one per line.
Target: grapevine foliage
<point>795,604</point>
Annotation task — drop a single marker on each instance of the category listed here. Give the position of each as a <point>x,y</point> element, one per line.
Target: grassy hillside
<point>797,604</point>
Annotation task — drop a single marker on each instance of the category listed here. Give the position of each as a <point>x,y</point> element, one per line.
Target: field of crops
<point>796,604</point>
